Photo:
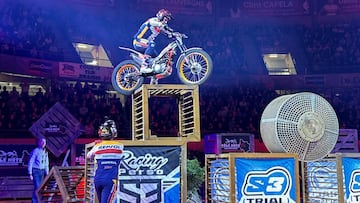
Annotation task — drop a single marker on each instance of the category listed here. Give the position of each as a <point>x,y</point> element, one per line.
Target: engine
<point>161,65</point>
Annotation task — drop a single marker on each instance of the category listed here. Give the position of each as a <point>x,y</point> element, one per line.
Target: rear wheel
<point>126,77</point>
<point>194,67</point>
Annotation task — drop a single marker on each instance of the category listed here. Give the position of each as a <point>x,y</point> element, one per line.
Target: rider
<point>107,155</point>
<point>144,38</point>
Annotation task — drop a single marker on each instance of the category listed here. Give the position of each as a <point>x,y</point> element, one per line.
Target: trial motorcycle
<point>193,65</point>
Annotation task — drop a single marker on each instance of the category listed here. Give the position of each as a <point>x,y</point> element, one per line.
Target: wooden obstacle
<point>59,127</point>
<point>63,184</point>
<point>16,188</point>
<point>188,106</point>
<point>145,146</point>
<point>330,178</point>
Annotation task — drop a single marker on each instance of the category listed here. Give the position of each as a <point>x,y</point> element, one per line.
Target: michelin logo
<point>271,186</point>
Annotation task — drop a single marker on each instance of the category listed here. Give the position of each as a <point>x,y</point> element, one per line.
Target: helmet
<point>163,13</point>
<point>107,130</point>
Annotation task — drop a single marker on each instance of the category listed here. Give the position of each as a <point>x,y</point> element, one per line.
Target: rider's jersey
<point>150,29</point>
<point>107,156</point>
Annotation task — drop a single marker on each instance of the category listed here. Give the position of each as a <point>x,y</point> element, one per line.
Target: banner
<point>351,179</point>
<point>15,155</point>
<point>28,66</point>
<point>265,180</point>
<point>271,7</point>
<point>237,143</point>
<point>228,142</point>
<point>190,7</point>
<point>344,6</point>
<point>150,174</point>
<point>85,72</point>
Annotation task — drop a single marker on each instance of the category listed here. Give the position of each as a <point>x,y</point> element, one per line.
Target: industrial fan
<point>302,123</point>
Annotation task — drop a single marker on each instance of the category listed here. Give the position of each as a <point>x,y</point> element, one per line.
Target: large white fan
<point>302,123</point>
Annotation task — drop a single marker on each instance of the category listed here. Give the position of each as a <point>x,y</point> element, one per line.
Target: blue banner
<point>265,180</point>
<point>351,179</point>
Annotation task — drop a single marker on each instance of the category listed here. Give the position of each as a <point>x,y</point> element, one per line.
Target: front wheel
<point>194,66</point>
<point>126,77</point>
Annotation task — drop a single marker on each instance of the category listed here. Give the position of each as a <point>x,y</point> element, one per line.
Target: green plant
<point>195,175</point>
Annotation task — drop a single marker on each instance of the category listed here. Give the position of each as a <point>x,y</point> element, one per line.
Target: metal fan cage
<point>303,123</point>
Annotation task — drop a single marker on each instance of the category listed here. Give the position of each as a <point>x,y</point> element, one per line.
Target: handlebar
<point>178,34</point>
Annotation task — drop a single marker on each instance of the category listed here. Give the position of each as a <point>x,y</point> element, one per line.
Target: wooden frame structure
<point>188,105</point>
<point>226,184</point>
<point>62,184</point>
<point>89,166</point>
<point>328,184</point>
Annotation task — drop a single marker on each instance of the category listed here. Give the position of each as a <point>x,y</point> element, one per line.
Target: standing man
<point>38,166</point>
<point>107,155</point>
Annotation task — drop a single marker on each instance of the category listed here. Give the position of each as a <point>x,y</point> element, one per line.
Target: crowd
<point>333,47</point>
<point>223,109</point>
<point>27,31</point>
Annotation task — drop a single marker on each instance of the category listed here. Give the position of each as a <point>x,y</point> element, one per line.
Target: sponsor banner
<point>265,180</point>
<point>219,180</point>
<point>322,181</point>
<point>84,72</point>
<point>190,7</point>
<point>150,174</point>
<point>271,7</point>
<point>345,6</point>
<point>15,155</point>
<point>237,143</point>
<point>78,158</point>
<point>351,179</point>
<point>229,142</point>
<point>28,66</point>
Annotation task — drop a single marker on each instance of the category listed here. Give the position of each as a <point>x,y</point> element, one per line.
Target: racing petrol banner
<point>150,174</point>
<point>265,180</point>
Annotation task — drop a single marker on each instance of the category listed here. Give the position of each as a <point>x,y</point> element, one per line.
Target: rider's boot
<point>146,65</point>
<point>154,80</point>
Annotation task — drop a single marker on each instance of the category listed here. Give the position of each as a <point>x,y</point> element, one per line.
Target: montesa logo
<point>142,165</point>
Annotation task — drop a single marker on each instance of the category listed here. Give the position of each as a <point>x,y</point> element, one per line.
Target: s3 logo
<point>275,181</point>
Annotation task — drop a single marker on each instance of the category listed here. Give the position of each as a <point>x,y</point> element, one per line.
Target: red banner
<point>28,66</point>
<point>84,72</point>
